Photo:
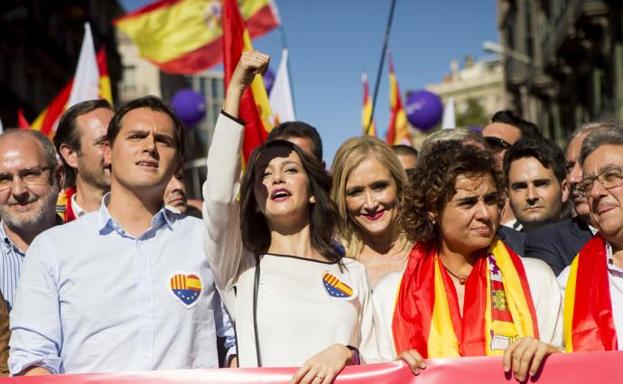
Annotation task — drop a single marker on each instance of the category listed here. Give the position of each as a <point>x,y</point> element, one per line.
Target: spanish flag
<point>254,105</point>
<point>369,128</point>
<point>48,119</point>
<point>497,305</point>
<point>184,36</point>
<point>398,132</point>
<point>588,319</point>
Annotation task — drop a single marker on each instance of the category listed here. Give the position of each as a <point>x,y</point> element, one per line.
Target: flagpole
<point>380,71</point>
<point>284,45</point>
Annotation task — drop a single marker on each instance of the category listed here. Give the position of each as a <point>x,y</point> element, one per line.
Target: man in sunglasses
<point>593,284</point>
<point>505,129</point>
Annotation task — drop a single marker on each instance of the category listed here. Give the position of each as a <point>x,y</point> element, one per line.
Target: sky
<point>331,42</point>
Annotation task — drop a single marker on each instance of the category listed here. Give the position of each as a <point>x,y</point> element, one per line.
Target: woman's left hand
<point>525,355</point>
<point>323,367</point>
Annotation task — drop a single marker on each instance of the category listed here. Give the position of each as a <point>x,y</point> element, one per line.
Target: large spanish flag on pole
<point>254,105</point>
<point>91,81</point>
<point>185,36</point>
<point>369,128</point>
<point>398,132</point>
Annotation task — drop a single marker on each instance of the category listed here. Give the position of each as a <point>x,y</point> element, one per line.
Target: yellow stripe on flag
<point>169,32</point>
<point>516,298</point>
<point>441,334</point>
<point>569,303</point>
<point>259,90</point>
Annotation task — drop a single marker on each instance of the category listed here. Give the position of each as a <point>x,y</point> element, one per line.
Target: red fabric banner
<point>580,367</point>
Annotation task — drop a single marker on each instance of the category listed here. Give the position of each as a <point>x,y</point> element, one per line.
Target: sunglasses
<point>495,144</point>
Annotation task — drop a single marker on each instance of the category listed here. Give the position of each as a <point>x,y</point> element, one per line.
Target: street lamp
<point>490,46</point>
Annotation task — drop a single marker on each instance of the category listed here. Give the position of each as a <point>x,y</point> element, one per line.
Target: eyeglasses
<point>30,176</point>
<point>608,178</point>
<point>495,144</point>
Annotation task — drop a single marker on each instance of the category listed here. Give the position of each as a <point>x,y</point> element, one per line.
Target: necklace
<point>461,278</point>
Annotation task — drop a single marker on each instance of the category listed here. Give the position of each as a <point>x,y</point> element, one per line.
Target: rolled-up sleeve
<point>36,334</point>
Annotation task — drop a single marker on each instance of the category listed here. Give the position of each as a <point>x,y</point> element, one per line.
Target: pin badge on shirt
<point>336,288</point>
<point>186,288</point>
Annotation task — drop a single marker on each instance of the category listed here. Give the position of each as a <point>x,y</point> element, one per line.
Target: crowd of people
<point>492,243</point>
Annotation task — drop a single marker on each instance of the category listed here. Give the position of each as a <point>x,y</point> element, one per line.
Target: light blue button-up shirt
<point>92,298</point>
<point>11,259</point>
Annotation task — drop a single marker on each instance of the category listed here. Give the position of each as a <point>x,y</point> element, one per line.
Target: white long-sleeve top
<point>543,289</point>
<point>297,316</point>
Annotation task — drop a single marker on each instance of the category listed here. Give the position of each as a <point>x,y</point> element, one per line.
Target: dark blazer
<point>558,243</point>
<point>513,238</point>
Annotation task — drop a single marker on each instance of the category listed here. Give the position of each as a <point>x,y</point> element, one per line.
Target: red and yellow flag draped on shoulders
<point>588,321</point>
<point>254,105</point>
<point>497,306</point>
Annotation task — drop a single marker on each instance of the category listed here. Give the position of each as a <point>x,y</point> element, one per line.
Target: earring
<point>312,200</point>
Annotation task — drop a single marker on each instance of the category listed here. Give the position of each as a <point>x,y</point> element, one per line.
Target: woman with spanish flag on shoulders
<point>464,292</point>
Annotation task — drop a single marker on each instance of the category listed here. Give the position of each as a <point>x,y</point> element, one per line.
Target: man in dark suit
<point>558,243</point>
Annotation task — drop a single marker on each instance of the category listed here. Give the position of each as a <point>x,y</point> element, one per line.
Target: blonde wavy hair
<point>348,157</point>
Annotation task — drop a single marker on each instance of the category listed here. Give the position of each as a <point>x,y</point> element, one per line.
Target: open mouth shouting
<point>280,194</point>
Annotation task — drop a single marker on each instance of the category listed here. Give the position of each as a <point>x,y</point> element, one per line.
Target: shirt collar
<point>610,261</point>
<point>7,243</point>
<point>78,211</point>
<point>107,224</point>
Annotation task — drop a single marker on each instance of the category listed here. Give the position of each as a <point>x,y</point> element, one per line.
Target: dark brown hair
<point>434,182</point>
<point>323,214</point>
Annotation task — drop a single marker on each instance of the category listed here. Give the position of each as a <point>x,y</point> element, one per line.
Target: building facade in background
<point>477,89</point>
<point>140,77</point>
<point>574,71</point>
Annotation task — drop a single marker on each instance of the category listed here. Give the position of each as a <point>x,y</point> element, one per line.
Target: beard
<point>31,219</point>
<point>98,177</point>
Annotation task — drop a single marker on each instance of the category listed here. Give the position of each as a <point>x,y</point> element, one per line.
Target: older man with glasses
<point>593,283</point>
<point>29,186</point>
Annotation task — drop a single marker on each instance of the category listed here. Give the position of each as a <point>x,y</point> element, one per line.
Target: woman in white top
<point>368,187</point>
<point>294,299</point>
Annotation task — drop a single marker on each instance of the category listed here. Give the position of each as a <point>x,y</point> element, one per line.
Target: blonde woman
<point>368,185</point>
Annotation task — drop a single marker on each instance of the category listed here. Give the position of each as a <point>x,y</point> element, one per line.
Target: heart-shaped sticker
<point>187,288</point>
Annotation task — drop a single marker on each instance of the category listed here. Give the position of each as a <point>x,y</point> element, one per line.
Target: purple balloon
<point>424,109</point>
<point>189,106</point>
<point>269,80</point>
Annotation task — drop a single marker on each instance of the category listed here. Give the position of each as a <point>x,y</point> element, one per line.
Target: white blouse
<point>303,305</point>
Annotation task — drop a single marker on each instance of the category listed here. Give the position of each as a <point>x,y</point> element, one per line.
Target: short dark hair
<point>527,128</point>
<point>323,214</point>
<point>154,103</point>
<point>404,150</point>
<point>68,133</point>
<point>546,151</point>
<point>298,129</point>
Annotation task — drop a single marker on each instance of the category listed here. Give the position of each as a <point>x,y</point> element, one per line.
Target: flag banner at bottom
<point>580,367</point>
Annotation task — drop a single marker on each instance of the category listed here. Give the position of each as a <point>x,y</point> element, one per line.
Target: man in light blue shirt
<point>126,287</point>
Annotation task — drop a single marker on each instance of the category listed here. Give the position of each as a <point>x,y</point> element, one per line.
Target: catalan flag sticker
<point>186,288</point>
<point>335,287</point>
